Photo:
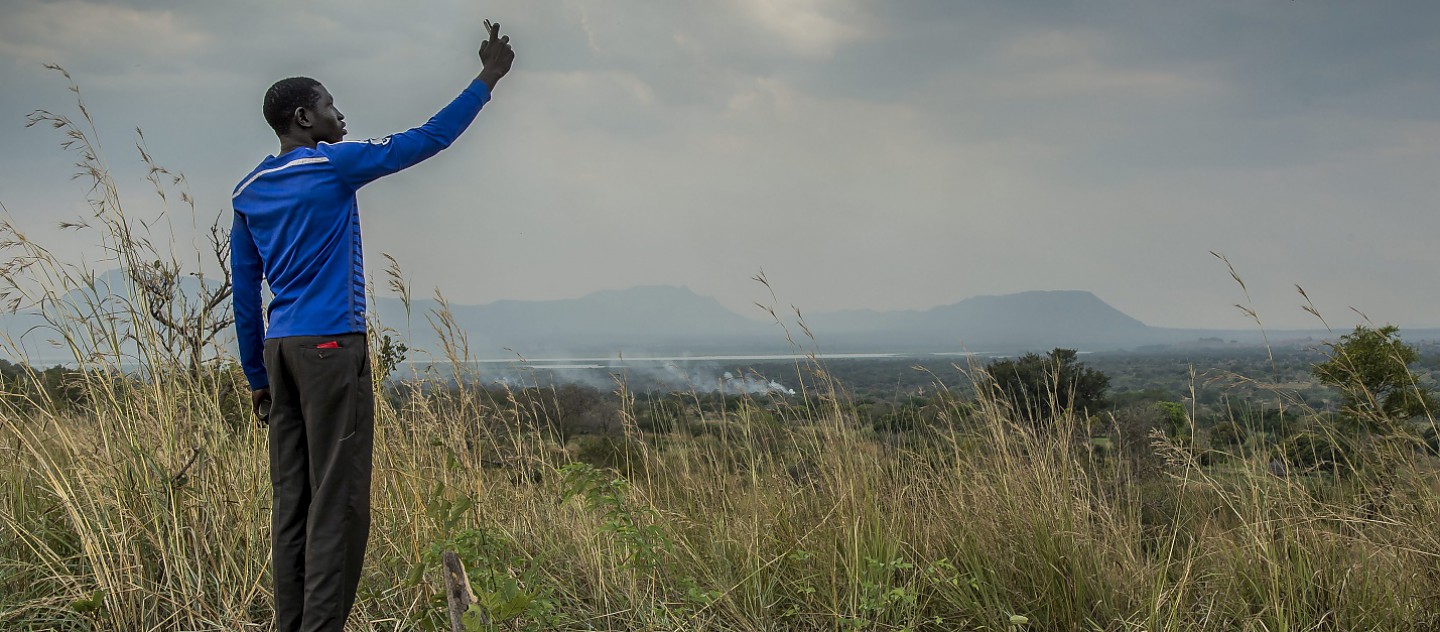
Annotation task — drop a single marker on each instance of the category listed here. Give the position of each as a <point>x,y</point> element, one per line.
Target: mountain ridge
<point>667,315</point>
<point>674,320</point>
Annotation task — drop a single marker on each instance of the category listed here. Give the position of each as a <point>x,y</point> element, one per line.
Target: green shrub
<point>1228,434</point>
<point>1315,450</point>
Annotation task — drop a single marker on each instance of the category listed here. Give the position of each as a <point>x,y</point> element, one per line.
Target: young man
<point>297,226</point>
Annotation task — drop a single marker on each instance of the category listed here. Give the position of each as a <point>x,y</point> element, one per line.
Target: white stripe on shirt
<point>298,161</point>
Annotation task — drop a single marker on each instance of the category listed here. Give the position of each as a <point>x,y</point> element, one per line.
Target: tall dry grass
<point>140,502</point>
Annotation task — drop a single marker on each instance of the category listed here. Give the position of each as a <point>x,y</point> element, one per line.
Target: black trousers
<point>322,418</point>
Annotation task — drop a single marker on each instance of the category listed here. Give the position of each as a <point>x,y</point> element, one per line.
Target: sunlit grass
<point>796,524</point>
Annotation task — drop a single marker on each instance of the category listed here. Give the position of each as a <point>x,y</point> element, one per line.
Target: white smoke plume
<point>700,377</point>
<point>753,385</point>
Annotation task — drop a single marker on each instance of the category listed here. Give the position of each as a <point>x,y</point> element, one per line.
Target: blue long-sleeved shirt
<point>297,226</point>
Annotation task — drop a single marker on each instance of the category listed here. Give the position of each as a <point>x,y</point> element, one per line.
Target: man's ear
<point>302,117</point>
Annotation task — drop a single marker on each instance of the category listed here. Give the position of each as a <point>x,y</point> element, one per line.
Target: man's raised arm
<point>361,162</point>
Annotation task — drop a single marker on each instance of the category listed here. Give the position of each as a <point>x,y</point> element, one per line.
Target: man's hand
<point>260,400</point>
<point>495,55</point>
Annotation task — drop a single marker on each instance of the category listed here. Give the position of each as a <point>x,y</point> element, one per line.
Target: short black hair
<point>286,95</point>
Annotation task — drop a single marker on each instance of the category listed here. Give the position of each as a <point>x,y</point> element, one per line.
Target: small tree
<point>190,319</point>
<point>1310,451</point>
<point>1038,387</point>
<point>1228,434</point>
<point>1177,423</point>
<point>567,410</point>
<point>1371,369</point>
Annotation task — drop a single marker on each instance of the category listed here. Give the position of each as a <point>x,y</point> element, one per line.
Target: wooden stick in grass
<point>457,591</point>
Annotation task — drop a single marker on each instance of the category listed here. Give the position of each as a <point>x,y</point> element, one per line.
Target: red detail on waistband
<point>333,344</point>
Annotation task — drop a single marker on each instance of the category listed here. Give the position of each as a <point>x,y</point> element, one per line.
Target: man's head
<point>301,107</point>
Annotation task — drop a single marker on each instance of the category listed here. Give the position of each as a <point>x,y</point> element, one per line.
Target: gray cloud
<point>880,155</point>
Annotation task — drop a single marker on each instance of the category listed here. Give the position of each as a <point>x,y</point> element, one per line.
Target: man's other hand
<point>495,55</point>
<point>260,401</point>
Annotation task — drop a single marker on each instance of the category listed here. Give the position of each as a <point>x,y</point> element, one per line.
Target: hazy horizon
<point>886,156</point>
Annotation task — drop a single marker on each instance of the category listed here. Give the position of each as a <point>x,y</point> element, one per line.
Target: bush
<point>1312,450</point>
<point>1430,437</point>
<point>1039,387</point>
<point>608,451</point>
<point>1131,435</point>
<point>1228,434</point>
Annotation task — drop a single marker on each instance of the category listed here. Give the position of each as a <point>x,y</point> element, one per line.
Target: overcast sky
<point>865,154</point>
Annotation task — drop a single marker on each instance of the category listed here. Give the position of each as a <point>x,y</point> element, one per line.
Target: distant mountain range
<point>674,319</point>
<point>1027,318</point>
<point>669,320</point>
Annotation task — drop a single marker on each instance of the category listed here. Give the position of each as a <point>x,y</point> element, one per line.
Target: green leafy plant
<point>389,355</point>
<point>634,527</point>
<point>886,594</point>
<point>506,587</point>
